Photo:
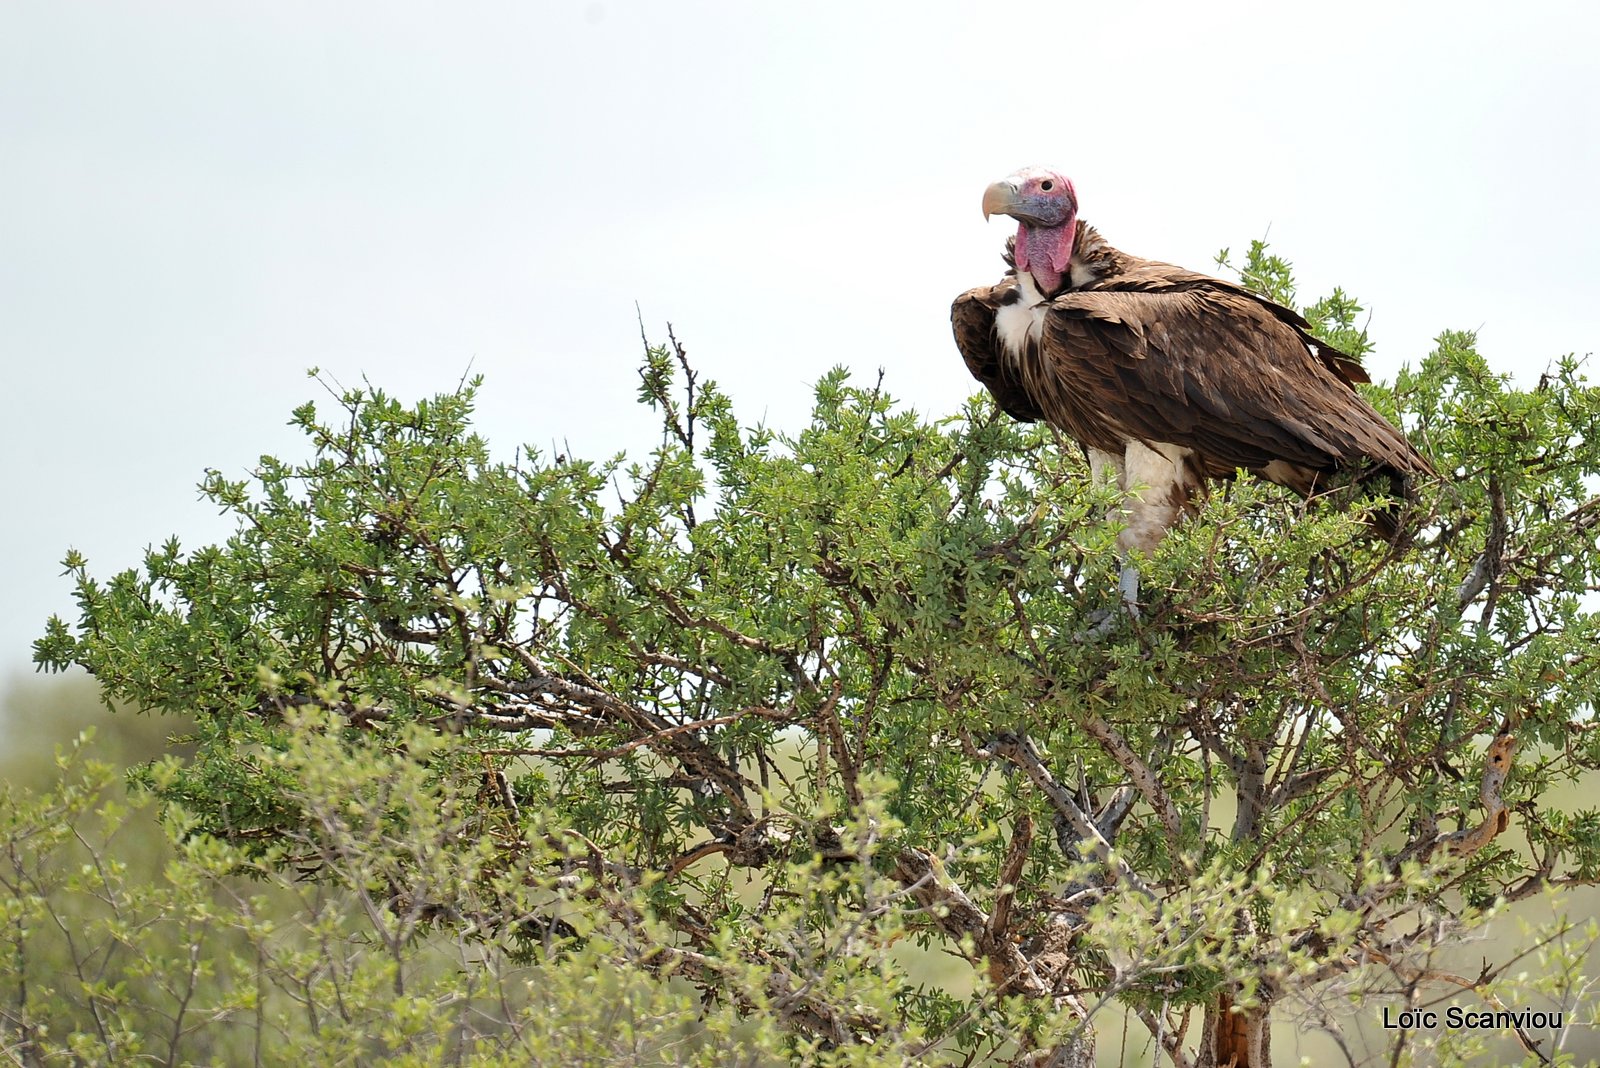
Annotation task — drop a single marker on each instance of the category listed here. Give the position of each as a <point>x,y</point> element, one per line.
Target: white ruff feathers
<point>1021,320</point>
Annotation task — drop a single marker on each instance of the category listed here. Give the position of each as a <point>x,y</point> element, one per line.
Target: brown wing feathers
<point>972,317</point>
<point>1217,372</point>
<point>1154,353</point>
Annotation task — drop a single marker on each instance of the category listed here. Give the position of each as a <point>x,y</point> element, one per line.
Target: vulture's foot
<point>1128,586</point>
<point>1104,620</point>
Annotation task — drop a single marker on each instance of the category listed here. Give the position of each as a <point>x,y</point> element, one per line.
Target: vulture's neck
<point>1020,321</point>
<point>1092,260</point>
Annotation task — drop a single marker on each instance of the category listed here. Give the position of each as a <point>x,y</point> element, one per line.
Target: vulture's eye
<point>1047,185</point>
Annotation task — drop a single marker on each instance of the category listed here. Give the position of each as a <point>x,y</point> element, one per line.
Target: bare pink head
<point>1046,209</point>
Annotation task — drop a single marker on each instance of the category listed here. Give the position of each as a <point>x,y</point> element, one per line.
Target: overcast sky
<point>198,201</point>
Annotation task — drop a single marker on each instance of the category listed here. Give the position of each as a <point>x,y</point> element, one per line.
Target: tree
<point>785,703</point>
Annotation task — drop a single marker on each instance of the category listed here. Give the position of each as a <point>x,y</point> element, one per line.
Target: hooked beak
<point>1000,199</point>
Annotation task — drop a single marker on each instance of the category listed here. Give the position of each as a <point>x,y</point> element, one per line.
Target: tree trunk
<point>1236,1037</point>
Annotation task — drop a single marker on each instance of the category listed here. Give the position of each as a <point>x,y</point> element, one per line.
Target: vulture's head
<point>1046,209</point>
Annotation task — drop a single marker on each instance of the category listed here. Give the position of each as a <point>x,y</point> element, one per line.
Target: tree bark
<point>1078,1053</point>
<point>1236,1037</point>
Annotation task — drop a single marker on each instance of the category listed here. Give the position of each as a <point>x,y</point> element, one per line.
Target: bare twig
<point>1487,566</point>
<point>1019,749</point>
<point>1143,777</point>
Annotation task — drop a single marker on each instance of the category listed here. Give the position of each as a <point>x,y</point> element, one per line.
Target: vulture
<point>1166,377</point>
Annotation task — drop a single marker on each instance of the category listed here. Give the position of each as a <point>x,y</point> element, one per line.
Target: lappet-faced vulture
<point>1166,377</point>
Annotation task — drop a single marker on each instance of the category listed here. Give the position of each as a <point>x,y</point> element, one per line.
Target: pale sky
<point>198,201</point>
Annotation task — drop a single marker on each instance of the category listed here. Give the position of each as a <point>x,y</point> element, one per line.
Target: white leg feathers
<point>1159,484</point>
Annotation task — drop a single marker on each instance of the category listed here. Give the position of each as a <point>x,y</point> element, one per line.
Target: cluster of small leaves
<point>699,664</point>
<point>1332,318</point>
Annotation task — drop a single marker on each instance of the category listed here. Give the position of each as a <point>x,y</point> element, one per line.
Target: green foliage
<point>408,947</point>
<point>703,670</point>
